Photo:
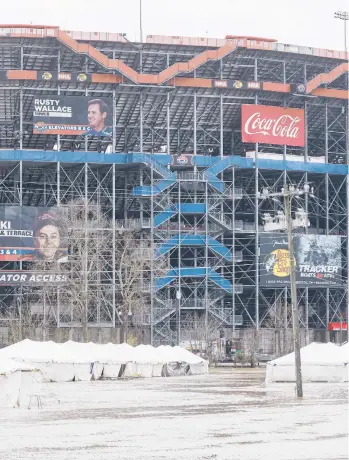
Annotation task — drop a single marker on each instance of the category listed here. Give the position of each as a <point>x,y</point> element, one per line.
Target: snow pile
<point>321,362</point>
<point>85,361</point>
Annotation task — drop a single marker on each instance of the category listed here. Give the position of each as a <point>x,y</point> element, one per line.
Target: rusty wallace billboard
<point>73,116</point>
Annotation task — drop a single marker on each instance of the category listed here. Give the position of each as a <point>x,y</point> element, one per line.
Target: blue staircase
<point>195,240</point>
<point>168,177</point>
<point>218,167</point>
<point>185,208</point>
<point>194,272</point>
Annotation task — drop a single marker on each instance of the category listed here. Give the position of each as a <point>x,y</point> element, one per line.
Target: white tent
<point>82,361</point>
<point>321,362</point>
<point>148,362</point>
<point>55,363</point>
<point>12,382</point>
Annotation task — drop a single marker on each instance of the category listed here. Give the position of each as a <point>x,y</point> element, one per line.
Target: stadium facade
<point>174,166</point>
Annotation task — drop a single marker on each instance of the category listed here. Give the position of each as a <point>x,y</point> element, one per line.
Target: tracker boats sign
<point>272,125</point>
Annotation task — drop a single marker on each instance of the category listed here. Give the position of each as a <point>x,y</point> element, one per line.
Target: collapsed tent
<point>15,379</point>
<point>179,361</point>
<point>72,361</point>
<point>321,362</point>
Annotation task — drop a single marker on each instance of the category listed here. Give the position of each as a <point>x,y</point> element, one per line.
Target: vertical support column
<point>22,58</point>
<point>306,316</point>
<point>206,264</point>
<point>114,249</point>
<point>21,118</point>
<point>141,202</point>
<point>234,251</point>
<point>285,350</point>
<point>306,297</point>
<point>86,246</point>
<point>58,202</point>
<point>114,122</point>
<point>168,136</point>
<point>21,105</point>
<point>20,263</point>
<point>85,137</point>
<point>125,200</point>
<point>152,278</point>
<point>141,121</point>
<point>58,92</point>
<point>327,217</point>
<point>179,292</point>
<point>221,132</point>
<point>194,128</point>
<point>256,228</point>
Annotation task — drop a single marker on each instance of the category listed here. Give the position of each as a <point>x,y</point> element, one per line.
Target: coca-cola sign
<point>272,125</point>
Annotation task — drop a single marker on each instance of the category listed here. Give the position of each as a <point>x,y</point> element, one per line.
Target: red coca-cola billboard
<point>272,125</point>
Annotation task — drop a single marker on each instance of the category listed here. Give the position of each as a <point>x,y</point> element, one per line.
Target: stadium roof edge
<point>252,42</point>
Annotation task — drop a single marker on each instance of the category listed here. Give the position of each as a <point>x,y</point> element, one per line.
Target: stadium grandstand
<point>193,136</point>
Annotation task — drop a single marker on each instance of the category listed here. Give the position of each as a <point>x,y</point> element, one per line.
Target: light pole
<point>344,16</point>
<point>140,22</point>
<point>288,193</point>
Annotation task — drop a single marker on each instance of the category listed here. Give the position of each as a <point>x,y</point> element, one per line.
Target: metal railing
<point>192,176</point>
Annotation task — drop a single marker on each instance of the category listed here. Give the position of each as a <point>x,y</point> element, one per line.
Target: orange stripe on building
<point>22,75</point>
<point>327,77</point>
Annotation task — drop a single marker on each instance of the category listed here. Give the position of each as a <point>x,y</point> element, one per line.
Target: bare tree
<point>278,318</point>
<point>134,263</point>
<point>88,269</point>
<point>91,289</point>
<point>201,331</point>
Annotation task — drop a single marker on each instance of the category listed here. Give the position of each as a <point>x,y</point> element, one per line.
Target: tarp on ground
<point>321,362</point>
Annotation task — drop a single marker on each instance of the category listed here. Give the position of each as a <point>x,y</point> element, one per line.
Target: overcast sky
<point>301,22</point>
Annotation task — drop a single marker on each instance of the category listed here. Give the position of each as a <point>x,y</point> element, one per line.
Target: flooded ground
<point>229,414</point>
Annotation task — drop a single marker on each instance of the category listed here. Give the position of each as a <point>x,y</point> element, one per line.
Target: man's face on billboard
<point>47,241</point>
<point>96,117</point>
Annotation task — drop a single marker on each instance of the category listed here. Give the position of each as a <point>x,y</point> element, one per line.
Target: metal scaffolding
<point>204,216</point>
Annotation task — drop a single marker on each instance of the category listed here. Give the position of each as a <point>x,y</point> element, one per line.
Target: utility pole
<point>287,194</point>
<point>295,310</point>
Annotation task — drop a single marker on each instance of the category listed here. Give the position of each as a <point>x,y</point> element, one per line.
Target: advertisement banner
<point>317,257</point>
<point>11,278</point>
<point>236,84</point>
<point>272,125</point>
<point>29,233</point>
<point>73,116</point>
<point>183,160</point>
<point>74,77</point>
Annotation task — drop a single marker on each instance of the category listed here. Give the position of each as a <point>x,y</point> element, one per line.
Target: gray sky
<point>300,22</point>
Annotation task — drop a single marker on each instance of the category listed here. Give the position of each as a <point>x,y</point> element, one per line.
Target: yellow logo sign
<point>281,265</point>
